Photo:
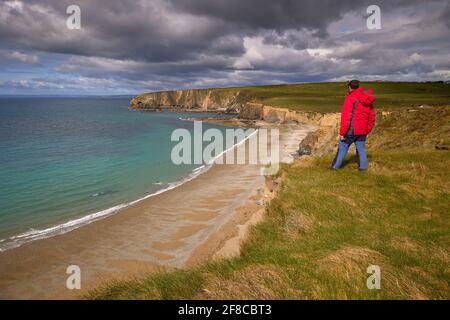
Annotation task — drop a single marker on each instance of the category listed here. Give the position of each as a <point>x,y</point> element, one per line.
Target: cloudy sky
<point>131,46</point>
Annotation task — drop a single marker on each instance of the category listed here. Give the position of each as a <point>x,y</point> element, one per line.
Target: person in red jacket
<point>357,119</point>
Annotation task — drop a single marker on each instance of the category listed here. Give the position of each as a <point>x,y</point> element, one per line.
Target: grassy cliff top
<point>328,97</point>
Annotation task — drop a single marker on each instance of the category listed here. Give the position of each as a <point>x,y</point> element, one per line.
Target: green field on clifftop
<point>328,97</point>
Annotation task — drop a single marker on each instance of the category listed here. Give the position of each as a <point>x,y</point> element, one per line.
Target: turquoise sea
<point>65,162</point>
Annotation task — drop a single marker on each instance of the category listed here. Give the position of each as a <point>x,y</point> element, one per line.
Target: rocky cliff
<point>225,100</point>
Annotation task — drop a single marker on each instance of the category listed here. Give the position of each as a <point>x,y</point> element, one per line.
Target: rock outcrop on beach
<point>276,115</point>
<point>323,140</point>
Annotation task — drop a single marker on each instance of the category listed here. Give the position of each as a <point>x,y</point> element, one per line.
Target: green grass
<point>325,228</point>
<point>328,97</point>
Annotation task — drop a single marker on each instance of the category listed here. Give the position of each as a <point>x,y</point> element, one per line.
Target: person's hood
<point>365,97</point>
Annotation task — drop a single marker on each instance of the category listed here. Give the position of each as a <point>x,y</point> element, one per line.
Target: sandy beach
<point>205,218</point>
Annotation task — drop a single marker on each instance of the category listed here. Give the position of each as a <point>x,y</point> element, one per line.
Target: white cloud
<point>21,57</point>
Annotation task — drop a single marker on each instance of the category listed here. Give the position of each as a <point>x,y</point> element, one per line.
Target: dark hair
<point>354,84</point>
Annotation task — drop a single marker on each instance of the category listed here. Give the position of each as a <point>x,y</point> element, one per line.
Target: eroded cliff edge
<point>224,100</point>
<point>231,100</point>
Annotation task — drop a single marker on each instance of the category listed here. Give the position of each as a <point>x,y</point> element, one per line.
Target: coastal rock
<point>221,100</point>
<point>224,100</point>
<point>306,147</point>
<point>275,115</point>
<point>252,111</point>
<point>329,120</point>
<point>258,111</point>
<point>323,140</point>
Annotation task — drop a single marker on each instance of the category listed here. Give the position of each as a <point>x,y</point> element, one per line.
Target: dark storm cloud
<point>146,30</point>
<point>446,14</point>
<point>183,43</point>
<point>160,30</point>
<point>283,15</point>
<point>276,15</point>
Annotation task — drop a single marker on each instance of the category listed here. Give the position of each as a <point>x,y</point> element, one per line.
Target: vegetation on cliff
<point>325,228</point>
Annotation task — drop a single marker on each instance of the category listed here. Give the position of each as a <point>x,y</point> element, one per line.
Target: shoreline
<point>18,240</point>
<point>209,212</point>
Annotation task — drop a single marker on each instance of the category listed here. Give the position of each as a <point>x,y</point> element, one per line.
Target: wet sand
<point>204,218</point>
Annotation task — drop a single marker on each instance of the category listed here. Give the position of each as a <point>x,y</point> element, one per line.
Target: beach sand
<point>204,218</point>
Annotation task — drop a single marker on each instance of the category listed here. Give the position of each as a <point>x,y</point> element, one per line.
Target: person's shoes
<point>333,169</point>
<point>362,170</point>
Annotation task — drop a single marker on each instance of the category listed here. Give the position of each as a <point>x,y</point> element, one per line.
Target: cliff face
<point>225,100</point>
<point>228,100</point>
<point>259,111</point>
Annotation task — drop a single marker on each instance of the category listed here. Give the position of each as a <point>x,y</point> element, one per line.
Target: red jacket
<point>363,114</point>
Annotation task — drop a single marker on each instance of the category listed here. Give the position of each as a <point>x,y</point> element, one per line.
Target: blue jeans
<point>344,145</point>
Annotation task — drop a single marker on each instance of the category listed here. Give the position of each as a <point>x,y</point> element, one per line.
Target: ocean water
<point>65,162</point>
